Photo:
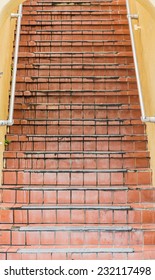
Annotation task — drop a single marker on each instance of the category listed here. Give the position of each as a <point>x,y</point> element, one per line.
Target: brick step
<point>78,31</point>
<point>78,54</point>
<point>62,58</point>
<point>71,253</point>
<point>103,26</point>
<point>96,177</point>
<point>79,112</point>
<point>74,96</point>
<point>108,21</point>
<point>75,46</point>
<point>103,131</point>
<point>76,195</point>
<point>73,195</point>
<point>73,106</point>
<point>71,11</point>
<point>59,116</point>
<point>32,36</point>
<point>106,82</point>
<point>75,160</point>
<point>75,154</point>
<point>111,129</point>
<point>105,253</point>
<point>24,143</point>
<point>76,235</point>
<point>67,214</point>
<point>81,78</point>
<point>76,66</point>
<point>77,96</point>
<point>45,43</point>
<point>108,85</point>
<point>72,235</point>
<point>76,16</point>
<point>99,72</point>
<point>80,7</point>
<point>71,3</point>
<point>76,137</point>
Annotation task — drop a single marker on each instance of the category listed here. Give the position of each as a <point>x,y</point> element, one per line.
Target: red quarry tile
<point>5,238</point>
<point>106,238</point>
<point>63,216</point>
<point>77,216</point>
<point>92,238</point>
<point>50,197</point>
<point>64,197</point>
<point>23,178</point>
<point>90,179</point>
<point>62,238</point>
<point>9,178</point>
<point>36,178</point>
<point>106,216</point>
<point>35,216</point>
<point>50,178</point>
<point>47,238</point>
<point>9,196</point>
<point>36,197</point>
<point>18,238</point>
<point>120,217</point>
<point>77,238</point>
<point>78,197</point>
<point>6,216</point>
<point>33,238</point>
<point>20,216</point>
<point>49,216</point>
<point>92,197</point>
<point>92,217</point>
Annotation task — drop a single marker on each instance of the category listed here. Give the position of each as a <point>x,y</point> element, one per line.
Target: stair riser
<point>70,60</point>
<point>67,197</point>
<point>85,162</point>
<point>104,217</point>
<point>78,256</point>
<point>69,238</point>
<point>98,47</point>
<point>78,71</point>
<point>76,145</point>
<point>76,97</point>
<point>71,86</point>
<point>98,115</point>
<point>77,178</point>
<point>101,129</point>
<point>70,26</point>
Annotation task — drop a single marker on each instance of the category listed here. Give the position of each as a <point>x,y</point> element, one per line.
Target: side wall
<point>144,33</point>
<point>7,26</point>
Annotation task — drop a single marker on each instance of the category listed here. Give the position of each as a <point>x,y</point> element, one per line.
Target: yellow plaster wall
<point>7,26</point>
<point>145,48</point>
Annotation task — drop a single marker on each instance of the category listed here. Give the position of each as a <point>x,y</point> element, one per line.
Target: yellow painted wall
<point>7,26</point>
<point>145,48</point>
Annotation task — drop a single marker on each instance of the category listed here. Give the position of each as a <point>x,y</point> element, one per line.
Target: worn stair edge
<point>72,228</point>
<point>75,250</point>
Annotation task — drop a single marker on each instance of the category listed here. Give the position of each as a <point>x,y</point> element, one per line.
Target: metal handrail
<point>130,17</point>
<point>14,74</point>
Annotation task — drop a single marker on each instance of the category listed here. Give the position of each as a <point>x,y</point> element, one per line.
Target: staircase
<point>76,178</point>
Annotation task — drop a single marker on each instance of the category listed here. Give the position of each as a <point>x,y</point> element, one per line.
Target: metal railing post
<point>14,74</point>
<point>130,17</point>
